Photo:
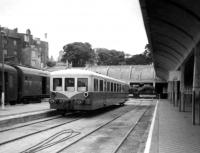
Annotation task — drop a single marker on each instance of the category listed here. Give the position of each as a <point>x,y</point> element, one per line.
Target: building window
<point>15,43</point>
<point>33,54</point>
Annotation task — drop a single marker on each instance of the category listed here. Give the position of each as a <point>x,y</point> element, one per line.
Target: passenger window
<point>57,84</point>
<point>115,87</point>
<point>111,87</point>
<point>120,88</point>
<point>101,85</point>
<point>96,85</point>
<point>105,85</point>
<point>108,86</point>
<point>69,84</point>
<point>82,84</point>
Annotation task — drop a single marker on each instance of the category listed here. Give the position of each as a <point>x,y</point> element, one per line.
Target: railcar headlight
<point>79,101</point>
<point>86,94</point>
<point>53,94</point>
<point>51,100</point>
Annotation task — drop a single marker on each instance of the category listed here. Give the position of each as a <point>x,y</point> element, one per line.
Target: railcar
<point>147,91</point>
<point>74,89</point>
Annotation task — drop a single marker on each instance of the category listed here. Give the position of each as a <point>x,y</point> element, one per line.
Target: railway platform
<point>13,114</point>
<point>173,131</point>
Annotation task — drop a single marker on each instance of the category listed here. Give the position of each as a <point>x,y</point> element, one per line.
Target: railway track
<point>72,135</point>
<point>70,117</point>
<point>128,133</point>
<point>33,124</point>
<point>116,148</point>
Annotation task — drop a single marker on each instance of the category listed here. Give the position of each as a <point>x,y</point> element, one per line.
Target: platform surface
<point>173,131</point>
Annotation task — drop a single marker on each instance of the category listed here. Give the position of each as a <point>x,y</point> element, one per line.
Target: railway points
<point>120,128</point>
<point>88,125</point>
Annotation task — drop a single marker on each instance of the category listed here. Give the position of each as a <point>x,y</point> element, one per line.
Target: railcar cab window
<point>82,84</point>
<point>57,84</point>
<point>69,84</point>
<point>96,84</point>
<point>101,85</point>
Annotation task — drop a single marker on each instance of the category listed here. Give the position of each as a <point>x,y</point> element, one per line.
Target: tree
<point>109,57</point>
<point>51,63</point>
<point>138,59</point>
<point>141,59</point>
<point>78,54</point>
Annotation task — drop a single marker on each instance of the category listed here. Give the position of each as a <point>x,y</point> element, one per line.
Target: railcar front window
<point>69,84</point>
<point>82,84</point>
<point>57,84</point>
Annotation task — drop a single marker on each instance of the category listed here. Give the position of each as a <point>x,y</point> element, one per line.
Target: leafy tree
<point>78,54</point>
<point>51,63</point>
<point>109,57</point>
<point>141,59</point>
<point>138,59</point>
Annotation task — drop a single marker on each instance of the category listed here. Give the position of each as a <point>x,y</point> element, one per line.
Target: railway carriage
<point>74,89</point>
<point>33,84</point>
<point>24,84</point>
<point>11,86</point>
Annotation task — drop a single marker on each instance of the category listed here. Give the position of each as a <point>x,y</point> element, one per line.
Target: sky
<point>111,24</point>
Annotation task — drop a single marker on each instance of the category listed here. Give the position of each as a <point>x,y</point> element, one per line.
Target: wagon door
<point>44,85</point>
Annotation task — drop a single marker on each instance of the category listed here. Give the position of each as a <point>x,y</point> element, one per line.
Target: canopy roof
<point>173,30</point>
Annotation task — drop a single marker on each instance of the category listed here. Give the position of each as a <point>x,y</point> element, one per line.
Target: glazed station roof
<point>127,73</point>
<point>173,30</point>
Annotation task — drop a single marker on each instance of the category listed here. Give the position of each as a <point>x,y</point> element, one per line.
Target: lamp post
<point>3,79</point>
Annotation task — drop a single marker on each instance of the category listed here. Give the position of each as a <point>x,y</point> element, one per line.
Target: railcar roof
<point>8,68</point>
<point>81,72</point>
<point>27,70</point>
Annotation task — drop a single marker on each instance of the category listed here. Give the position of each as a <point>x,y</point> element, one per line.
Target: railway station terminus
<point>173,31</point>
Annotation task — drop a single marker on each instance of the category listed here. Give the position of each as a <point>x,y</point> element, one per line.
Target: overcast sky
<point>111,24</point>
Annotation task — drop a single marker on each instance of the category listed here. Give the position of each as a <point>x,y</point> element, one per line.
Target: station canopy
<point>173,30</point>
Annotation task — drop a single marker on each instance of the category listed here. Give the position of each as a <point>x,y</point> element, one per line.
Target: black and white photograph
<point>99,76</point>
